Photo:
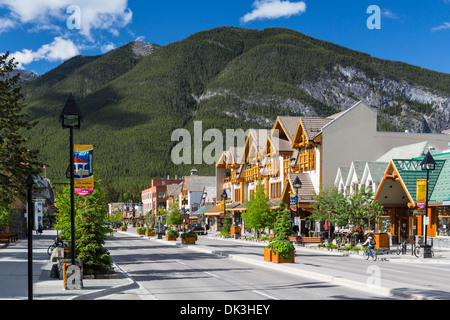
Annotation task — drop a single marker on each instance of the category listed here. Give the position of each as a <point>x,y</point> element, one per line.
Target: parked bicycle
<point>401,248</point>
<point>58,243</point>
<point>418,249</point>
<point>370,253</point>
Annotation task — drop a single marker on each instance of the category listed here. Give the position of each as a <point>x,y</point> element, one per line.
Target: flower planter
<point>141,233</point>
<point>170,238</point>
<point>267,255</point>
<point>151,234</point>
<point>123,229</point>
<point>276,257</point>
<point>188,240</point>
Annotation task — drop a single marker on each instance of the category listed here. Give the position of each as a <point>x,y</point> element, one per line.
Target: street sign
<point>426,221</point>
<point>159,219</point>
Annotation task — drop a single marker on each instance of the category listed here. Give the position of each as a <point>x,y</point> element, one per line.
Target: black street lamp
<point>297,185</point>
<point>71,119</point>
<point>428,164</point>
<point>184,202</point>
<point>30,182</point>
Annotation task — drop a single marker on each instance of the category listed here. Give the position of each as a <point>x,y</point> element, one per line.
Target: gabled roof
<point>376,170</point>
<point>197,183</point>
<point>357,168</point>
<point>288,125</point>
<point>409,151</point>
<point>441,189</point>
<point>306,192</point>
<point>342,173</point>
<point>313,126</point>
<point>173,189</point>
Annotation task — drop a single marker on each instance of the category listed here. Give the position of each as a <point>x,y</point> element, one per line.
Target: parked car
<point>198,229</point>
<point>162,229</point>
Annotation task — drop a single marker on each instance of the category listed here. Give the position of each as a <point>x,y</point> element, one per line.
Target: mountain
<point>133,98</point>
<point>25,76</point>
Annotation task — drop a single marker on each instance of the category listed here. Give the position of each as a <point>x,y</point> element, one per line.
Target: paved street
<point>227,270</point>
<point>171,272</point>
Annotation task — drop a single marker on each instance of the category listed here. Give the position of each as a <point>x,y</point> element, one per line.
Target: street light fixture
<point>428,164</point>
<point>184,202</point>
<point>70,118</point>
<point>297,185</point>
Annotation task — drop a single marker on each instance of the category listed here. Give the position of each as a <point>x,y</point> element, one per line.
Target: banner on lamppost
<point>293,201</point>
<point>83,171</point>
<point>421,195</point>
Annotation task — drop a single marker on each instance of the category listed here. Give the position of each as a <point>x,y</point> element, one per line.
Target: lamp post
<point>30,182</point>
<point>184,202</point>
<point>297,185</point>
<point>71,119</point>
<point>428,164</point>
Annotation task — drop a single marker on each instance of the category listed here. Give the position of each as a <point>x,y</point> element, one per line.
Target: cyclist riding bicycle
<point>370,242</point>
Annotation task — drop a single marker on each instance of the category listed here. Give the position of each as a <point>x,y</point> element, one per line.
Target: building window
<point>275,190</point>
<point>443,221</point>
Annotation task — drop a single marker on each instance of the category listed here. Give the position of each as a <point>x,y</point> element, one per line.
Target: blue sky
<point>36,32</point>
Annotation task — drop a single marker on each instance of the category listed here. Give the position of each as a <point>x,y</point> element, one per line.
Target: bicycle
<point>58,243</point>
<point>417,250</point>
<point>370,253</point>
<point>401,248</point>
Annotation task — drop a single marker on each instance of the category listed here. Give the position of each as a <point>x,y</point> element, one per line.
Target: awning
<point>239,207</point>
<point>202,210</point>
<point>214,211</point>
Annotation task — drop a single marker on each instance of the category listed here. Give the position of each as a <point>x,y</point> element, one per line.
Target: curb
<point>130,285</point>
<point>308,274</point>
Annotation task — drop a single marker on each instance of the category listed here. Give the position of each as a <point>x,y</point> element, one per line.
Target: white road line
<point>180,262</point>
<point>212,275</point>
<point>265,295</point>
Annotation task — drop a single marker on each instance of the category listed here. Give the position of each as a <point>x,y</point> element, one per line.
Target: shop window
<point>385,224</point>
<point>443,221</point>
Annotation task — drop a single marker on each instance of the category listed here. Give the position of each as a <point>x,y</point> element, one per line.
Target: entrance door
<point>413,228</point>
<point>402,228</point>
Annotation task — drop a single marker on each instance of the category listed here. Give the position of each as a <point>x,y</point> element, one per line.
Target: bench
<point>295,239</point>
<point>312,240</point>
<point>10,237</point>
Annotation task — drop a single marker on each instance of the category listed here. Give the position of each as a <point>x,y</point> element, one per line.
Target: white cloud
<point>387,13</point>
<point>59,50</point>
<point>6,24</point>
<point>108,47</point>
<point>444,26</point>
<point>274,9</point>
<point>108,15</point>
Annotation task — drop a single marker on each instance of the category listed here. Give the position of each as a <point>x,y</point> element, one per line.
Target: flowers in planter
<point>141,230</point>
<point>189,234</point>
<point>285,249</point>
<point>172,233</point>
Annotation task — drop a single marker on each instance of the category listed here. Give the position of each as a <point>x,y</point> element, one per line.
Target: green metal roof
<point>441,190</point>
<point>409,171</point>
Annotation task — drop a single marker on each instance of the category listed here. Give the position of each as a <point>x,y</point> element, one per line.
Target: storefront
<point>404,217</point>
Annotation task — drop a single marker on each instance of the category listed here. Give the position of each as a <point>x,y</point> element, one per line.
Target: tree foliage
<point>357,210</point>
<point>258,215</point>
<point>16,160</point>
<point>283,223</point>
<point>90,229</point>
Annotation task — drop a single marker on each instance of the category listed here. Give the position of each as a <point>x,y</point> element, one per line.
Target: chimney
<point>193,172</point>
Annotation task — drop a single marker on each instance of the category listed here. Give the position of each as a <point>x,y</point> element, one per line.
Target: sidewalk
<point>14,272</point>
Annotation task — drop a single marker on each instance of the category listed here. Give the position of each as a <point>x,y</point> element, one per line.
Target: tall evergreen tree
<point>16,161</point>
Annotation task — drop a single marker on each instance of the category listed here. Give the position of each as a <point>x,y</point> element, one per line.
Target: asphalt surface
<point>391,276</point>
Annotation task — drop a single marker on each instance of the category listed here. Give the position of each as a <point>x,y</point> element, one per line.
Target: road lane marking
<point>212,275</point>
<point>265,295</point>
<point>180,262</point>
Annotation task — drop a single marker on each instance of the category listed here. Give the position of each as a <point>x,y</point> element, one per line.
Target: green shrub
<point>189,234</point>
<point>172,233</point>
<point>282,247</point>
